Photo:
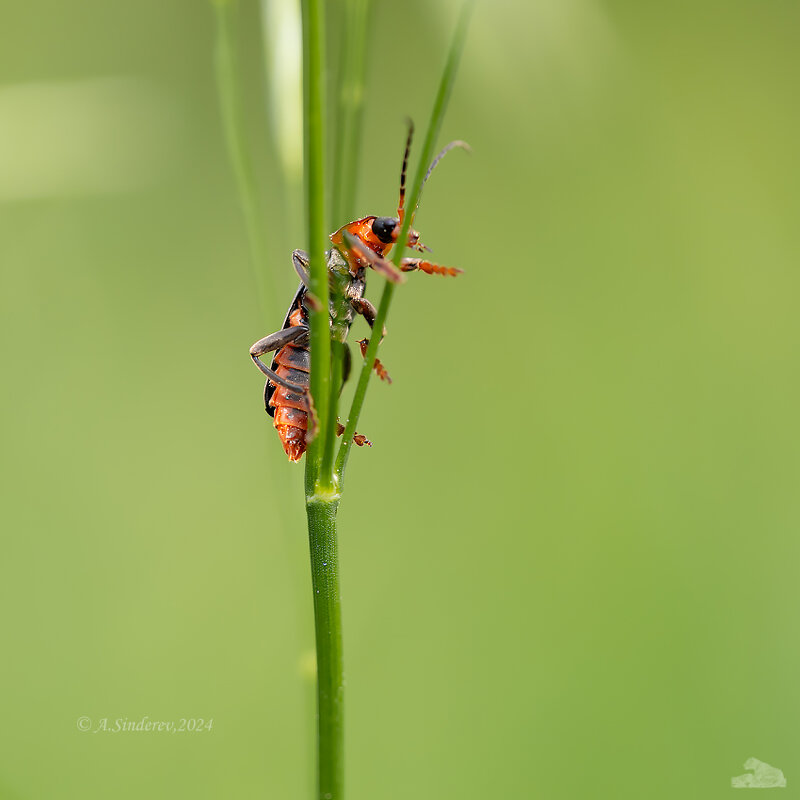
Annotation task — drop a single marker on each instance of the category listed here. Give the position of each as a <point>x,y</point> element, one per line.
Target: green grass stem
<point>322,501</point>
<point>314,127</point>
<point>328,630</point>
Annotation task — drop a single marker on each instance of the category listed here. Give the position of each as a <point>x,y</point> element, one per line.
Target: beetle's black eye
<point>383,228</point>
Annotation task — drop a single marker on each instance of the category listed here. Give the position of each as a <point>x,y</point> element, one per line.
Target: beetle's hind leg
<point>275,341</point>
<point>368,311</point>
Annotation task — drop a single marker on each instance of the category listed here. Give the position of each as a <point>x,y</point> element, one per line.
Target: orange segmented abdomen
<point>291,415</point>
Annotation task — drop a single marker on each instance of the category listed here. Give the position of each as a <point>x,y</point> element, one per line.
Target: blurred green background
<point>570,561</point>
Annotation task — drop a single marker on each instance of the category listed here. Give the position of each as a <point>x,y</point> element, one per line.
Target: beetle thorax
<point>344,287</point>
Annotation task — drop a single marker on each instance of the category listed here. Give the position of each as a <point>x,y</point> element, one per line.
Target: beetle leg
<point>347,361</point>
<point>275,341</point>
<point>411,264</point>
<point>368,311</point>
<point>358,438</point>
<point>275,378</point>
<point>365,308</point>
<point>381,265</point>
<point>313,419</point>
<point>300,264</point>
<point>380,370</point>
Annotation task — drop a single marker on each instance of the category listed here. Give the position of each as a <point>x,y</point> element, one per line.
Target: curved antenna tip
<point>442,153</point>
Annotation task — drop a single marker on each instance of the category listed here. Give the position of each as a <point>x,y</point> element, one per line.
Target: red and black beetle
<point>360,244</point>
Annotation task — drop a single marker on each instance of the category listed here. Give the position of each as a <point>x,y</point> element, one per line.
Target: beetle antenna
<point>444,151</point>
<point>401,204</point>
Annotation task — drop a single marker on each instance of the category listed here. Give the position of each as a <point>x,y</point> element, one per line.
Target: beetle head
<point>387,229</point>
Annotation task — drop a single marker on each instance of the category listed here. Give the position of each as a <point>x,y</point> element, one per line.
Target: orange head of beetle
<point>387,229</point>
<point>376,233</point>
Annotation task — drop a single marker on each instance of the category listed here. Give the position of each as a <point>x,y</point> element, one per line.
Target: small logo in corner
<point>763,776</point>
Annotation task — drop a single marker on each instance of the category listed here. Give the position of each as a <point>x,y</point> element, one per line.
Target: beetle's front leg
<point>360,250</point>
<point>369,312</point>
<point>412,264</point>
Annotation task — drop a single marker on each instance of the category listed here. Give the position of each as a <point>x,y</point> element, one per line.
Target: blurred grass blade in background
<point>283,57</point>
<point>83,137</point>
<point>229,84</point>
